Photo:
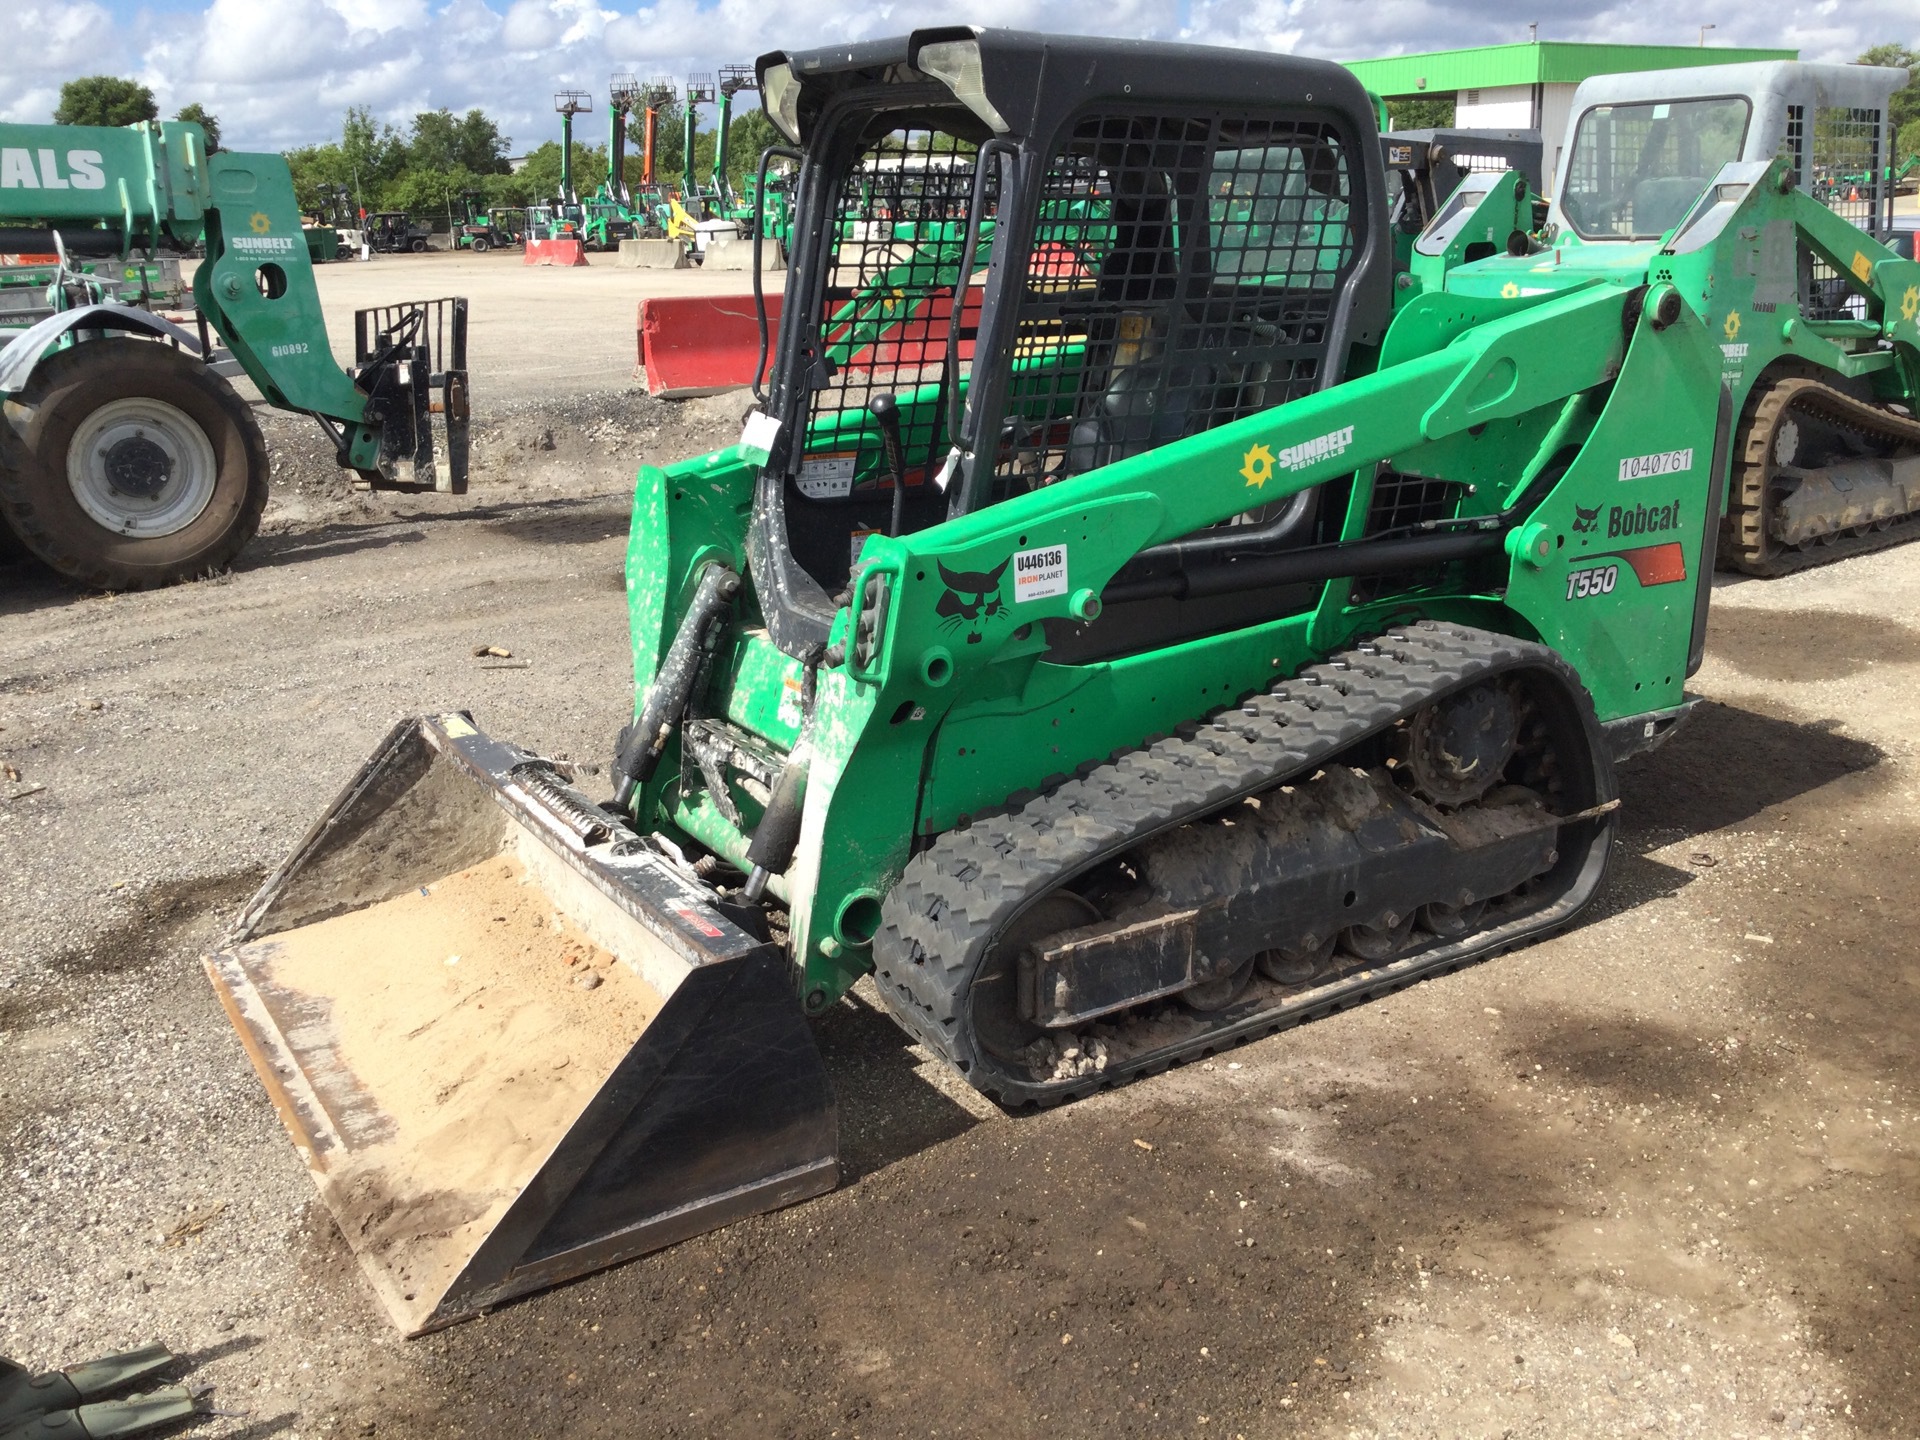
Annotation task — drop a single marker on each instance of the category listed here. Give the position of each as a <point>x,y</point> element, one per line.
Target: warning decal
<point>826,477</point>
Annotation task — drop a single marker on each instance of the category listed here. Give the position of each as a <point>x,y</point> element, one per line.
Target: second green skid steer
<point>1145,636</point>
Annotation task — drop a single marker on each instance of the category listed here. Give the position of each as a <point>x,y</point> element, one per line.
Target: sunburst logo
<point>1257,465</point>
<point>1510,291</point>
<point>1910,304</point>
<point>260,223</point>
<point>1732,328</point>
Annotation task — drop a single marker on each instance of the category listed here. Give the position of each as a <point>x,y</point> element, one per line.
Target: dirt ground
<point>1657,1175</point>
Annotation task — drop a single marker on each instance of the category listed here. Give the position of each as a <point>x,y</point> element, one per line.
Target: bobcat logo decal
<point>972,597</point>
<point>1586,521</point>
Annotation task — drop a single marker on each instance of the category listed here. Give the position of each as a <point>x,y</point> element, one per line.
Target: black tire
<point>481,245</point>
<point>40,505</point>
<point>419,247</point>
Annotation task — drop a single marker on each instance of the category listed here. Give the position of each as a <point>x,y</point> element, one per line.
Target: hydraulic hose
<point>644,740</point>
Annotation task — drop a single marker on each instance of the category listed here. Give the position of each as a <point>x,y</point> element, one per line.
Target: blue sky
<point>281,72</point>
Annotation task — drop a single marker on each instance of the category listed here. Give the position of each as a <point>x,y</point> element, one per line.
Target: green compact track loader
<point>1130,631</point>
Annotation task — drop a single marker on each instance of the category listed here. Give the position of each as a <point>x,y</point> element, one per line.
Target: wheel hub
<point>137,467</point>
<point>1786,441</point>
<point>1459,747</point>
<point>142,468</point>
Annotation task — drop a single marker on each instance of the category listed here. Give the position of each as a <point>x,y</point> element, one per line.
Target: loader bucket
<point>513,1042</point>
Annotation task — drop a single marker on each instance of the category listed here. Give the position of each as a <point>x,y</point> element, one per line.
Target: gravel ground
<point>1656,1175</point>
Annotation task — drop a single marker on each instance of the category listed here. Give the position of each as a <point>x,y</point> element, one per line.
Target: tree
<point>1408,112</point>
<point>538,180</point>
<point>104,100</point>
<point>1905,105</point>
<point>747,137</point>
<point>472,142</point>
<point>199,115</point>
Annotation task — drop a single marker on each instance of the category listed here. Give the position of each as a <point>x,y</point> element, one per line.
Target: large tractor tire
<point>134,466</point>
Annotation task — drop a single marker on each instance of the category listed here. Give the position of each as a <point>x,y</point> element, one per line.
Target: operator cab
<point>1635,170</point>
<point>1047,275</point>
<point>1646,145</point>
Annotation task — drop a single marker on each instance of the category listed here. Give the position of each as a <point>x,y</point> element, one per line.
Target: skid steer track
<point>958,898</point>
<point>1748,543</point>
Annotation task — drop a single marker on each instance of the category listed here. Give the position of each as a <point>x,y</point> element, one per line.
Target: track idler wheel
<point>1298,964</point>
<point>1452,922</point>
<point>1458,748</point>
<point>1218,993</point>
<point>1379,943</point>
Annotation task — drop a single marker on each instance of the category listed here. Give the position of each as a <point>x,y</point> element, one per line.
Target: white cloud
<point>51,43</point>
<point>279,72</point>
<point>531,27</point>
<point>381,16</point>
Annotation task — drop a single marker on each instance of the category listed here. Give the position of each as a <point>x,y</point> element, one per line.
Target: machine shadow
<point>1727,765</point>
<point>328,542</point>
<point>27,586</point>
<point>888,1111</point>
<point>569,521</point>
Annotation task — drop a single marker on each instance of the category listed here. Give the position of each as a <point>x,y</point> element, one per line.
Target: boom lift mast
<point>569,103</point>
<point>733,80</point>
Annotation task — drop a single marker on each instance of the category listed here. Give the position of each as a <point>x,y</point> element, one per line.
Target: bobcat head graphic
<point>972,596</point>
<point>1586,521</point>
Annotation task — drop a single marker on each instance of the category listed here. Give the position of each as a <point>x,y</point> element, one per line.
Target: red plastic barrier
<point>555,252</point>
<point>920,336</point>
<point>702,344</point>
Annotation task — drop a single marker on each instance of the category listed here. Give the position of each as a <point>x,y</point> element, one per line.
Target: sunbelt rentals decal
<point>260,242</point>
<point>1259,463</point>
<point>22,169</point>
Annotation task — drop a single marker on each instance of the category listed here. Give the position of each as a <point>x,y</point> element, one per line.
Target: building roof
<point>1549,62</point>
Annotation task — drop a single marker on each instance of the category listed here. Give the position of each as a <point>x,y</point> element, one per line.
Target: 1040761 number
<point>1600,580</point>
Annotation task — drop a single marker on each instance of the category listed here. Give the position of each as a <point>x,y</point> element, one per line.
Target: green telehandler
<point>126,459</point>
<point>1126,654</point>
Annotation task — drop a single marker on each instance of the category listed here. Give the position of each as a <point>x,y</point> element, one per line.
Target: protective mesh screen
<point>1847,162</point>
<point>1183,274</point>
<point>888,305</point>
<point>1492,164</point>
<point>1844,172</point>
<point>1400,501</point>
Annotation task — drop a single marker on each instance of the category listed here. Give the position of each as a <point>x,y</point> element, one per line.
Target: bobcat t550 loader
<point>1122,636</point>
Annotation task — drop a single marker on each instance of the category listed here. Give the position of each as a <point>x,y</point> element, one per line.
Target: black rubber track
<point>1746,540</point>
<point>940,921</point>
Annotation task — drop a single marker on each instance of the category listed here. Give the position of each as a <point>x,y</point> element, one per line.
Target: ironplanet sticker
<point>1665,462</point>
<point>1039,573</point>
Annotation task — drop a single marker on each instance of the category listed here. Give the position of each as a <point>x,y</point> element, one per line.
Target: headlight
<point>780,91</point>
<point>957,64</point>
